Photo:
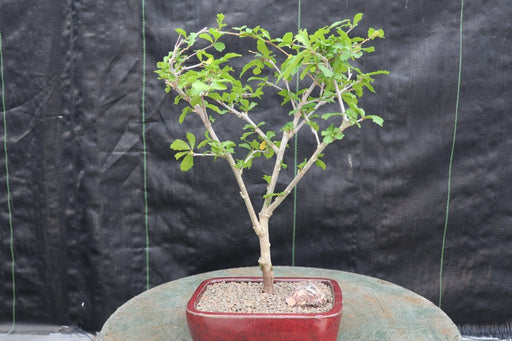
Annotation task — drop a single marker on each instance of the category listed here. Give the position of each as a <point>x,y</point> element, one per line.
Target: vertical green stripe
<point>11,230</point>
<point>144,153</point>
<point>451,156</point>
<point>294,227</point>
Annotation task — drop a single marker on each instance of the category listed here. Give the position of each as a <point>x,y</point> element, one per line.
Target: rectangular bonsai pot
<point>215,326</point>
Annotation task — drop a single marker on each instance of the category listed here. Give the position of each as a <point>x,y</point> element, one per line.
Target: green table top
<point>373,309</point>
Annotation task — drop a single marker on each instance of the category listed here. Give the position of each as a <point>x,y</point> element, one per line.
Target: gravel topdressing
<point>248,297</point>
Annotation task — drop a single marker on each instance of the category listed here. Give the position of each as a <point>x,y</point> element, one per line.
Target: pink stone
<point>306,295</point>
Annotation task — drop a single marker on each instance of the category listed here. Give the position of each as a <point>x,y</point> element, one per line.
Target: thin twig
<point>245,116</point>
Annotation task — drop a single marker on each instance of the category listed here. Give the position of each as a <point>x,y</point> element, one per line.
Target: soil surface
<point>248,297</point>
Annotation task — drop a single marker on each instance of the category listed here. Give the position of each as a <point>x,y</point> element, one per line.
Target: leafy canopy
<point>198,69</point>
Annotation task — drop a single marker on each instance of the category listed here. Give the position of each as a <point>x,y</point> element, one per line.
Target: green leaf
<point>302,164</point>
<point>345,39</point>
<point>206,141</point>
<point>341,23</point>
<point>303,37</point>
<point>187,163</point>
<point>195,99</point>
<point>271,195</point>
<point>369,87</point>
<point>244,164</point>
<point>192,38</point>
<point>179,155</point>
<point>290,66</point>
<point>177,99</point>
<point>376,119</point>
<point>270,134</point>
<point>230,55</point>
<point>378,72</point>
<point>218,85</point>
<point>286,96</point>
<point>228,146</point>
<point>307,70</point>
<point>198,87</point>
<point>179,145</point>
<point>215,96</point>
<point>328,139</point>
<point>262,48</point>
<point>327,73</point>
<point>331,134</point>
<point>191,139</point>
<point>215,33</point>
<point>246,135</point>
<point>240,28</point>
<point>206,36</point>
<point>267,178</point>
<point>255,144</point>
<point>221,149</point>
<point>216,109</point>
<point>313,125</point>
<point>373,33</point>
<point>357,19</point>
<point>352,114</point>
<point>245,145</point>
<point>181,32</point>
<point>184,114</point>
<point>264,33</point>
<point>287,38</point>
<point>349,98</point>
<point>247,106</point>
<point>220,20</point>
<point>287,127</point>
<point>257,63</point>
<point>269,153</point>
<point>331,114</point>
<point>219,46</point>
<point>321,164</point>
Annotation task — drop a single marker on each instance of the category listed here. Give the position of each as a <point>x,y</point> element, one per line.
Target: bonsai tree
<point>310,72</point>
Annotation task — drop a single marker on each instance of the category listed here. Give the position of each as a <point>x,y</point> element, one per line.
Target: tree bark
<point>265,259</point>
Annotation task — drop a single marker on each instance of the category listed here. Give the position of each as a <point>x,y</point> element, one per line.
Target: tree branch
<point>246,118</point>
<point>237,173</point>
<point>311,161</point>
<point>340,100</point>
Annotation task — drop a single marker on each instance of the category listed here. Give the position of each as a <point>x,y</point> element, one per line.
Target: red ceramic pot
<point>250,326</point>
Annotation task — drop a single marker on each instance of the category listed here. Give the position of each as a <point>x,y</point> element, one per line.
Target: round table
<point>373,309</point>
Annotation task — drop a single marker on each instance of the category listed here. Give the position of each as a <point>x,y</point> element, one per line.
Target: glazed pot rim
<point>335,310</point>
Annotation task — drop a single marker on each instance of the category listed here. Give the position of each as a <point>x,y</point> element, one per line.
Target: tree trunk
<point>265,260</point>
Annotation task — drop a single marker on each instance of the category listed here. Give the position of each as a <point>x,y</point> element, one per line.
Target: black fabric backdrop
<point>73,73</point>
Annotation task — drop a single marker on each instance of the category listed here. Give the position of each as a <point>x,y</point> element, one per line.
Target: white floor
<point>28,332</point>
<point>50,337</point>
<point>472,338</point>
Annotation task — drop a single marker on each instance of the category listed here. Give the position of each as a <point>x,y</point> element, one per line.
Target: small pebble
<point>306,295</point>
